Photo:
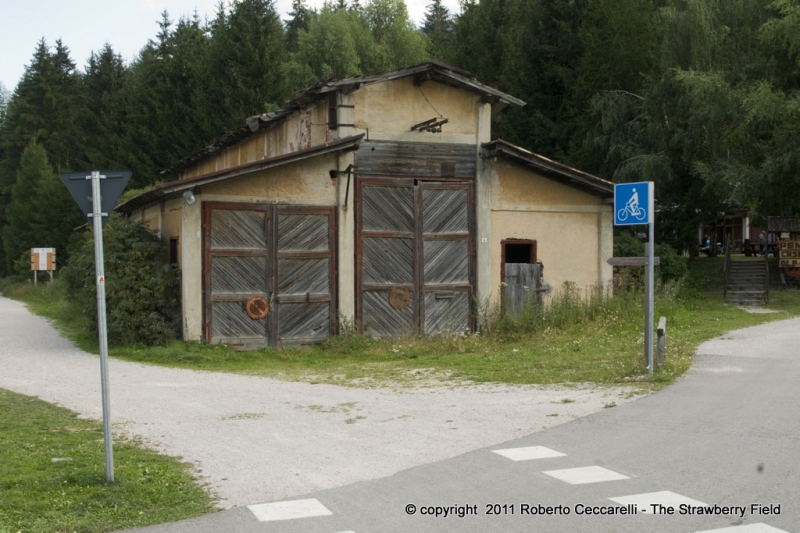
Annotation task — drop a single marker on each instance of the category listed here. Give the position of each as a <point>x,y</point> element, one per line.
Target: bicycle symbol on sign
<point>632,208</point>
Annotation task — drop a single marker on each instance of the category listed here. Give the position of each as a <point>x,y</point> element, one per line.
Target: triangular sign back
<point>112,184</point>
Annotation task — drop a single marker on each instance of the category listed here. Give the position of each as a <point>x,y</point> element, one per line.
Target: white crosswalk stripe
<point>529,453</point>
<point>748,528</point>
<point>289,510</point>
<point>665,499</point>
<point>586,474</point>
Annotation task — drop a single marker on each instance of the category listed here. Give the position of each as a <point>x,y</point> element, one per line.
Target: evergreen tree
<point>298,22</point>
<point>438,27</point>
<point>104,115</point>
<point>169,110</point>
<point>44,109</point>
<point>244,70</point>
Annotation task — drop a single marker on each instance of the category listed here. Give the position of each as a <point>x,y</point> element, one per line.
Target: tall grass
<point>570,307</point>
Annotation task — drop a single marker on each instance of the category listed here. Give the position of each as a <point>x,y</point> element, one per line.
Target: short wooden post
<point>661,339</point>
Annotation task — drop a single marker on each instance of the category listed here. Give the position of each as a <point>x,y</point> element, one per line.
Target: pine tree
<point>297,23</point>
<point>244,74</point>
<point>44,109</point>
<point>438,27</point>
<point>103,116</point>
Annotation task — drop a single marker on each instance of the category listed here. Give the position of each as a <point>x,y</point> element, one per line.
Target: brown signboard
<point>43,259</point>
<point>789,253</point>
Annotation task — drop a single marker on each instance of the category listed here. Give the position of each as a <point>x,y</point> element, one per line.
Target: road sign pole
<point>648,331</point>
<point>97,220</point>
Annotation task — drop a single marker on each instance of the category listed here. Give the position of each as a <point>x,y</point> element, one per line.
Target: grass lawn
<point>578,340</point>
<point>52,475</point>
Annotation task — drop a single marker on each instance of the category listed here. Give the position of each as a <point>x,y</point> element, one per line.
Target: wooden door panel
<point>445,210</point>
<point>305,274</point>
<point>235,274</point>
<point>447,312</point>
<point>381,319</point>
<point>447,257</point>
<point>230,323</point>
<point>388,209</point>
<point>388,261</point>
<point>238,229</point>
<point>304,322</point>
<point>301,232</point>
<point>446,262</point>
<point>237,269</point>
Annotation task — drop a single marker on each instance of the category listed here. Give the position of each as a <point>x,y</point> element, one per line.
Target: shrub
<point>142,291</point>
<point>673,266</point>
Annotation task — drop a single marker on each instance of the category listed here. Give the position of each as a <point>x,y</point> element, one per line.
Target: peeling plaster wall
<point>304,129</point>
<point>305,182</point>
<point>571,227</point>
<point>389,109</point>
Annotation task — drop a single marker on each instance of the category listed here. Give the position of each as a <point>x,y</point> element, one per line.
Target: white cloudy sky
<point>85,25</point>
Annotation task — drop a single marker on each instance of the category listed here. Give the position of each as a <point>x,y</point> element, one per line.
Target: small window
<point>516,251</point>
<point>173,251</point>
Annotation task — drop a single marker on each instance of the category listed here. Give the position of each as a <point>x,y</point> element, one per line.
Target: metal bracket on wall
<point>337,173</point>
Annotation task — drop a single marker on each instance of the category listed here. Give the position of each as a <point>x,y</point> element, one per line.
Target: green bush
<point>142,291</point>
<point>673,266</point>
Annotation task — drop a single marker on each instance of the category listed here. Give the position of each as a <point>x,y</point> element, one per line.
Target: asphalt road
<point>724,439</point>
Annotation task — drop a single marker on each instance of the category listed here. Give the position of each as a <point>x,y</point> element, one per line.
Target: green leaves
<point>142,292</point>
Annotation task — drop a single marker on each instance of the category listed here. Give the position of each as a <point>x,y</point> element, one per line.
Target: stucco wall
<point>303,129</point>
<point>389,109</point>
<point>172,223</point>
<point>305,182</point>
<point>569,225</point>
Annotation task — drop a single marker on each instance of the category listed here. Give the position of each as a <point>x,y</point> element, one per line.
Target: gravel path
<point>257,439</point>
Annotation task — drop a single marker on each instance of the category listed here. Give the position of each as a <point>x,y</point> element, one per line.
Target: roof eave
<point>175,188</point>
<point>548,167</point>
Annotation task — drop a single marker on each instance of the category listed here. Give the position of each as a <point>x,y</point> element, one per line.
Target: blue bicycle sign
<point>628,208</point>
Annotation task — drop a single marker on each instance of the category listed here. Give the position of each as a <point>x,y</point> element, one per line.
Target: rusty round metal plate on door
<point>257,307</point>
<point>399,298</point>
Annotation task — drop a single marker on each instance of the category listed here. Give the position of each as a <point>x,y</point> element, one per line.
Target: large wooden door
<point>237,270</point>
<point>414,257</point>
<point>269,275</point>
<point>305,274</point>
<point>446,257</point>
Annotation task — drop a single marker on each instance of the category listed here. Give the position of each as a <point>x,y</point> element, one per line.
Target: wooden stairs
<point>746,282</point>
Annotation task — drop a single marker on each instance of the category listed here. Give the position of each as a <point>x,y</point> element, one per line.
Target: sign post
<point>629,211</point>
<point>89,194</point>
<point>42,259</point>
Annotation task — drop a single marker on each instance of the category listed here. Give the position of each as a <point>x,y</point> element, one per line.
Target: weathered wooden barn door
<point>386,268</point>
<point>305,274</point>
<point>414,256</point>
<point>237,273</point>
<point>446,256</point>
<point>523,286</point>
<point>269,274</point>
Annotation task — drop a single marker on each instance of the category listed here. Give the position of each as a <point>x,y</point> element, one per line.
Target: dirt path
<point>257,439</point>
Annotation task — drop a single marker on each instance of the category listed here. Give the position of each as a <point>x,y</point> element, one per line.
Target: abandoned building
<point>379,199</point>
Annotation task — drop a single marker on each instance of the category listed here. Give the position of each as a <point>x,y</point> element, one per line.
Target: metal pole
<point>97,217</point>
<point>35,280</point>
<point>648,315</point>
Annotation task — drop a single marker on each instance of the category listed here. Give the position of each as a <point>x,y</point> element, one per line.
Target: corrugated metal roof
<point>432,70</point>
<point>548,167</point>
